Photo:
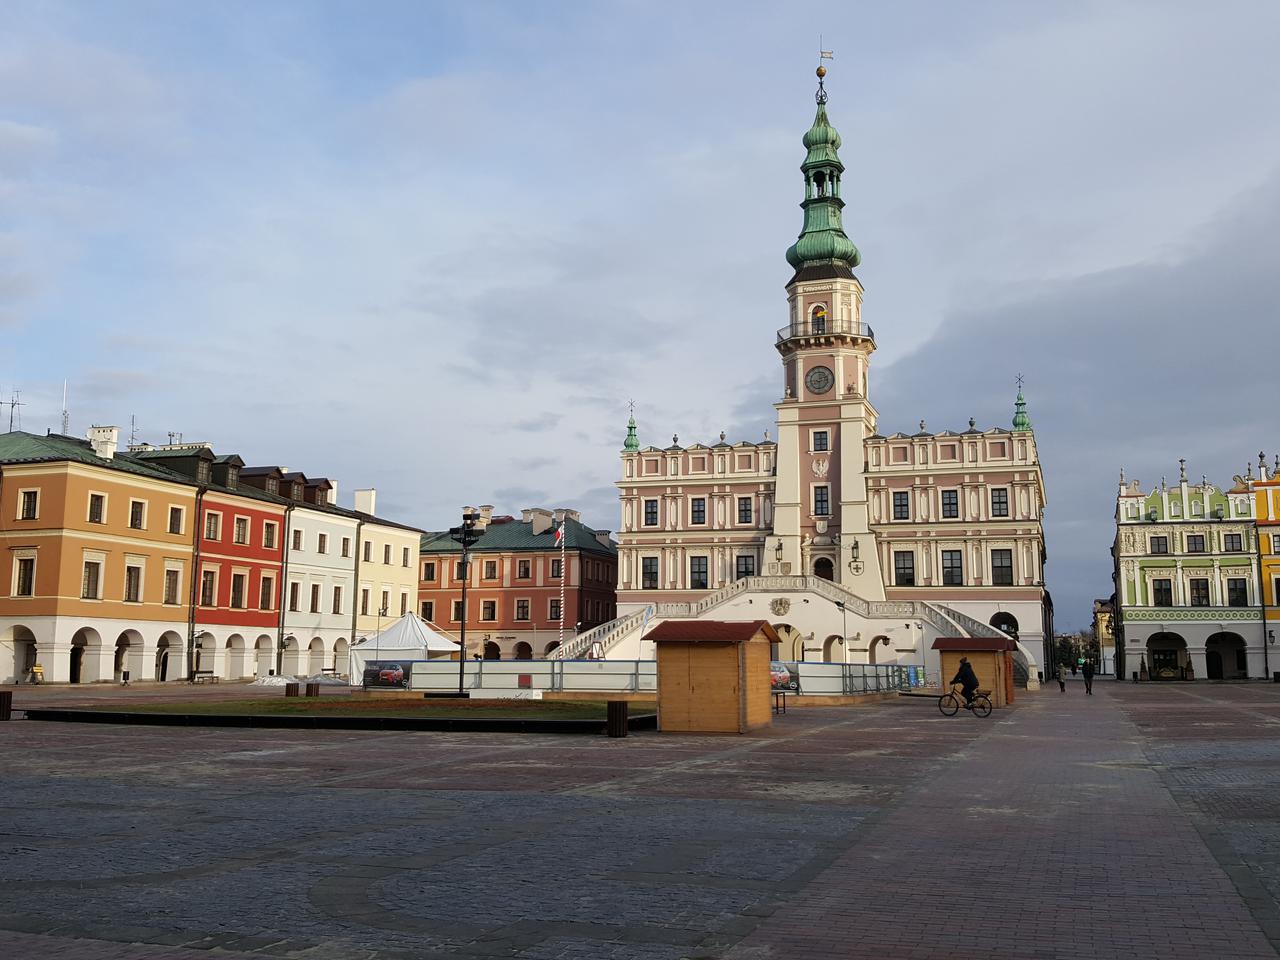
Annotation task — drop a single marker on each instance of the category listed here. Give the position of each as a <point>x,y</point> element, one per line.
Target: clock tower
<point>821,524</point>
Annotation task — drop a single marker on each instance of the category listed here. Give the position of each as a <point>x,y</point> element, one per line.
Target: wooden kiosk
<point>992,660</point>
<point>713,675</point>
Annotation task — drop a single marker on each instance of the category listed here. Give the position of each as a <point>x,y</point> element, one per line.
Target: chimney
<point>486,516</point>
<point>540,521</point>
<point>366,500</point>
<point>104,440</point>
<point>604,538</point>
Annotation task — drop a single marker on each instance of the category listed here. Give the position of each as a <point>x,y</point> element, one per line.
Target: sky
<point>435,248</point>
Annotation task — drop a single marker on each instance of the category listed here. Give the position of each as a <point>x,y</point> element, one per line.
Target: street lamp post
<point>466,535</point>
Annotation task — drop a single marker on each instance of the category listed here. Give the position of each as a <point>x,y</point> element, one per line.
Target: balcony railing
<point>826,328</point>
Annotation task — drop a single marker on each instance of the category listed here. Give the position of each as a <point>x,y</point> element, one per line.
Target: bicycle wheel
<point>981,707</point>
<point>948,703</point>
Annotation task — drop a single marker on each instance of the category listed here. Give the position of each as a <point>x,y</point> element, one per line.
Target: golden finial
<point>821,71</point>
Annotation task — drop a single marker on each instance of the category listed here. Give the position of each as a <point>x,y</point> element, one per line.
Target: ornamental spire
<point>822,249</point>
<point>632,443</point>
<point>1020,419</point>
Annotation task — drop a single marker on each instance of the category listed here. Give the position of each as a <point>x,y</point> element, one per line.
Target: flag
<point>560,535</point>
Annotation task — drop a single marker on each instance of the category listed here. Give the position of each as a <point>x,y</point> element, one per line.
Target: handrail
<point>583,642</point>
<point>826,328</point>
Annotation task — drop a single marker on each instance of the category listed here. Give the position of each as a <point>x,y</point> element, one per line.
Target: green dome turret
<point>632,443</point>
<point>822,249</point>
<point>1020,419</point>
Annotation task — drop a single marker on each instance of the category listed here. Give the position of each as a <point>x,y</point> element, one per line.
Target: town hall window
<point>651,513</point>
<point>952,568</point>
<point>950,504</point>
<point>649,573</point>
<point>522,569</point>
<point>1000,502</point>
<point>697,573</point>
<point>30,500</point>
<point>1232,542</point>
<point>1162,593</point>
<point>698,510</point>
<point>1159,544</point>
<point>904,568</point>
<point>1002,568</point>
<point>744,509</point>
<point>1199,592</point>
<point>901,505</point>
<point>25,577</point>
<point>821,501</point>
<point>745,567</point>
<point>819,441</point>
<point>1237,592</point>
<point>819,317</point>
<point>1195,543</point>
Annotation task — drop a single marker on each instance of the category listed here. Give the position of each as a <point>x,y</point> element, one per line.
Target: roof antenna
<point>14,404</point>
<point>66,415</point>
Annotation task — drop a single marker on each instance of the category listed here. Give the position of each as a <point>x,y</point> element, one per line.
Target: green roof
<point>515,536</point>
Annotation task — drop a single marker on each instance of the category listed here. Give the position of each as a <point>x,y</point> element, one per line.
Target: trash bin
<point>124,678</point>
<point>313,689</point>
<point>291,689</point>
<point>616,722</point>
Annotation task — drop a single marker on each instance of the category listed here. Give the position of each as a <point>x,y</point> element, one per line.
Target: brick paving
<point>1141,822</point>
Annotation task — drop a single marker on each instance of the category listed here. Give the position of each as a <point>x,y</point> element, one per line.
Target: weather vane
<point>821,95</point>
<point>1019,379</point>
<point>631,405</point>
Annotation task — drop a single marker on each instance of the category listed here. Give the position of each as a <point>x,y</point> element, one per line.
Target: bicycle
<point>951,702</point>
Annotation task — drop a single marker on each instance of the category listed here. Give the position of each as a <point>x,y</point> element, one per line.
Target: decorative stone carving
<point>820,468</point>
<point>779,606</point>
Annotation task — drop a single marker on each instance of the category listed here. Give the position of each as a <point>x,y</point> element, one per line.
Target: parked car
<point>783,677</point>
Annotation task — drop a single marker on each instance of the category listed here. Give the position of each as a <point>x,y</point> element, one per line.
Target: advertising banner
<point>784,676</point>
<point>387,674</point>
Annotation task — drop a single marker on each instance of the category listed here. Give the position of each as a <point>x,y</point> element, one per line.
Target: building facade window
<point>91,580</point>
<point>556,569</point>
<point>458,573</point>
<point>404,557</point>
<point>698,511</point>
<point>25,577</point>
<point>457,611</point>
<point>212,525</point>
<point>999,502</point>
<point>1233,543</point>
<point>1237,592</point>
<point>404,603</point>
<point>172,587</point>
<point>649,573</point>
<point>904,568</point>
<point>488,610</point>
<point>1195,543</point>
<point>97,508</point>
<point>315,598</point>
<point>491,569</point>
<point>744,566</point>
<point>429,571</point>
<point>386,554</point>
<point>322,543</point>
<point>428,610</point>
<point>1199,592</point>
<point>175,520</point>
<point>368,552</point>
<point>266,593</point>
<point>697,573</point>
<point>522,609</point>
<point>1162,593</point>
<point>297,539</point>
<point>208,588</point>
<point>952,568</point>
<point>241,530</point>
<point>744,509</point>
<point>1002,568</point>
<point>132,584</point>
<point>238,584</point>
<point>1159,544</point>
<point>950,504</point>
<point>822,501</point>
<point>651,513</point>
<point>30,505</point>
<point>523,569</point>
<point>337,600</point>
<point>294,592</point>
<point>553,609</point>
<point>386,598</point>
<point>820,441</point>
<point>901,505</point>
<point>346,546</point>
<point>269,531</point>
<point>137,514</point>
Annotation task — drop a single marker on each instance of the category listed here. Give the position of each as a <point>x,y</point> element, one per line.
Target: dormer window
<point>818,319</point>
<point>273,486</point>
<point>204,472</point>
<point>296,490</point>
<point>233,476</point>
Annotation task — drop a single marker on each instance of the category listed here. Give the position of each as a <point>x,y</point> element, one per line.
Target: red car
<point>781,677</point>
<point>391,675</point>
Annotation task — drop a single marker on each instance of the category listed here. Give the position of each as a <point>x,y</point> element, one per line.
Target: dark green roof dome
<point>822,249</point>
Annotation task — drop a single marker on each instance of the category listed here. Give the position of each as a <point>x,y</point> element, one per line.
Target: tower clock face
<point>820,380</point>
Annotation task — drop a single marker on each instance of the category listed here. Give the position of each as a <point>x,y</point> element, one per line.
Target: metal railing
<point>826,328</point>
<point>606,634</point>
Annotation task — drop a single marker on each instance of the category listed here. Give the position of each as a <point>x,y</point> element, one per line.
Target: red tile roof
<point>723,631</point>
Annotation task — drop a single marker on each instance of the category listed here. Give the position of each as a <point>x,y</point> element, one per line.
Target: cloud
<point>538,424</point>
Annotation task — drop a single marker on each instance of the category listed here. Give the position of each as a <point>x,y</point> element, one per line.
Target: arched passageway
<point>1167,656</point>
<point>86,656</point>
<point>315,658</point>
<point>873,655</point>
<point>1006,623</point>
<point>833,649</point>
<point>1224,655</point>
<point>492,651</point>
<point>236,657</point>
<point>791,646</point>
<point>21,645</point>
<point>341,656</point>
<point>127,646</point>
<point>263,655</point>
<point>824,569</point>
<point>523,651</point>
<point>551,648</point>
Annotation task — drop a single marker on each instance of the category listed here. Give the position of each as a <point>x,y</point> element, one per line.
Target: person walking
<point>1062,680</point>
<point>1087,670</point>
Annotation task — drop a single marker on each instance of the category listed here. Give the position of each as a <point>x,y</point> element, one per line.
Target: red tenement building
<point>513,594</point>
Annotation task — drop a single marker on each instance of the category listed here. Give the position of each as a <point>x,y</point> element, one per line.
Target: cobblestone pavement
<point>1140,822</point>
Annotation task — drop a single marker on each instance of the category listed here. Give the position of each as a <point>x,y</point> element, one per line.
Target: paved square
<point>1141,822</point>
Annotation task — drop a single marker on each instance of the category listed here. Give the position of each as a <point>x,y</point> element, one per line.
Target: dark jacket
<point>965,676</point>
<point>1087,669</point>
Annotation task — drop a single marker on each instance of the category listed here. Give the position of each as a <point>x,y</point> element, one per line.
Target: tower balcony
<point>815,332</point>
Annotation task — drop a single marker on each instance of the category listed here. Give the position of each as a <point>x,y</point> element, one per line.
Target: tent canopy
<point>409,638</point>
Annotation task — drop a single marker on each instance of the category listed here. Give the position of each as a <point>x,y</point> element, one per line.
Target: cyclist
<point>968,681</point>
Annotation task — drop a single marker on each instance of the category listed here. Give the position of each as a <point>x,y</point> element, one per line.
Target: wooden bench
<point>204,676</point>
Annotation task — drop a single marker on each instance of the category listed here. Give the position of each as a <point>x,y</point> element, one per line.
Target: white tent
<point>409,638</point>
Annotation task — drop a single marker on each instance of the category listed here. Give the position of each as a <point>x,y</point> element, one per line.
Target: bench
<point>204,676</point>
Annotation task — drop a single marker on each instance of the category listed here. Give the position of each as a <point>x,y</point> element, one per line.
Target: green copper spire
<point>632,442</point>
<point>822,249</point>
<point>1020,419</point>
